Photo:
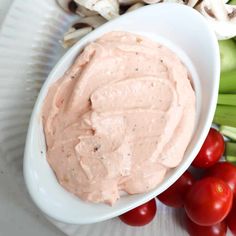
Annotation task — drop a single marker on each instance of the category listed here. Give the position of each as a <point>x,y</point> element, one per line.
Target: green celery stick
<point>231,159</point>
<point>228,131</point>
<point>228,82</point>
<point>225,115</point>
<point>231,152</point>
<point>227,99</point>
<point>227,54</point>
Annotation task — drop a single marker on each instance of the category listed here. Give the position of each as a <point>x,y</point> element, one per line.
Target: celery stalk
<point>228,82</point>
<point>230,132</point>
<point>231,152</point>
<point>227,99</point>
<point>225,115</point>
<point>231,159</point>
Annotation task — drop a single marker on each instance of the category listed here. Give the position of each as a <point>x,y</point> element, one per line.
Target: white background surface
<point>25,38</point>
<point>4,5</point>
<point>19,218</point>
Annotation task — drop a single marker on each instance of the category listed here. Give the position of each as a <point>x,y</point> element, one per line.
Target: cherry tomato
<point>208,201</point>
<point>231,219</point>
<point>225,171</point>
<point>174,195</point>
<point>193,229</point>
<point>211,151</point>
<point>140,215</point>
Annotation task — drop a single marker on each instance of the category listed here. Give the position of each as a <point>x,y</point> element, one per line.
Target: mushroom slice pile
<point>81,28</point>
<point>220,16</point>
<point>109,9</point>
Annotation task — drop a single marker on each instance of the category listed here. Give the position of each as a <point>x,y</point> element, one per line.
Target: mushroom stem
<point>218,7</point>
<point>77,33</point>
<point>73,36</point>
<point>83,12</point>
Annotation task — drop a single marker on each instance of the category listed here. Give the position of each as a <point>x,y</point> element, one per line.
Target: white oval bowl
<point>180,28</point>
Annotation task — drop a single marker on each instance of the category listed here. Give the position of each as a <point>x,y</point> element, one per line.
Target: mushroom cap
<point>220,16</point>
<point>109,9</point>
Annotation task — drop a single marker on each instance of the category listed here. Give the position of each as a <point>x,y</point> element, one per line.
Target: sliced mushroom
<point>83,12</point>
<point>126,4</point>
<point>129,2</point>
<point>68,5</point>
<point>74,35</point>
<point>135,6</point>
<point>220,16</point>
<point>153,1</point>
<point>191,3</point>
<point>81,28</point>
<point>158,1</point>
<point>109,9</point>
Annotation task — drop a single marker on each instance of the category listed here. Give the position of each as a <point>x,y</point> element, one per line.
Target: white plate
<point>29,47</point>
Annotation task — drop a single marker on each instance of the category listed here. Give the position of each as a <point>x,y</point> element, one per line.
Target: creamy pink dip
<point>119,118</point>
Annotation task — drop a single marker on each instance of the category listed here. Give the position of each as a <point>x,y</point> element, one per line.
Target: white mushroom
<point>191,3</point>
<point>83,12</point>
<point>152,1</point>
<point>135,6</point>
<point>81,28</point>
<point>220,16</point>
<point>129,2</point>
<point>109,9</point>
<point>158,1</point>
<point>67,5</point>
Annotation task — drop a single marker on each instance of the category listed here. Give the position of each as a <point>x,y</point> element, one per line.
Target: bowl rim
<point>78,47</point>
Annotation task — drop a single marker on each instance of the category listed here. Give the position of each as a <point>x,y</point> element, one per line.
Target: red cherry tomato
<point>174,195</point>
<point>208,201</point>
<point>140,215</point>
<point>231,219</point>
<point>224,171</point>
<point>193,229</point>
<point>211,151</point>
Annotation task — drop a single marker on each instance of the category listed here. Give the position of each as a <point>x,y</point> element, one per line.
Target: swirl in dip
<point>119,118</point>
